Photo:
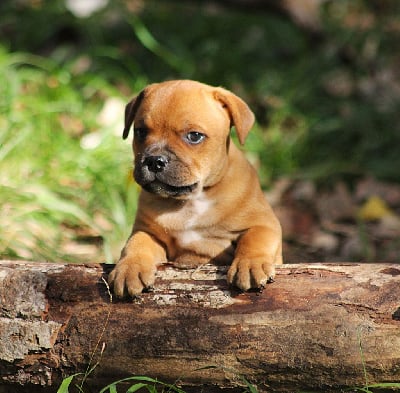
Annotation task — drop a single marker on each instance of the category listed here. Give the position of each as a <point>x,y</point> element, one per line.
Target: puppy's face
<point>181,136</point>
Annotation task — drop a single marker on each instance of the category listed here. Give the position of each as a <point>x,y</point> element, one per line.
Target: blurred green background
<point>324,85</point>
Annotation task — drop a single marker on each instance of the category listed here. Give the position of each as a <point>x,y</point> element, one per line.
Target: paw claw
<point>247,273</point>
<point>136,298</point>
<point>129,278</point>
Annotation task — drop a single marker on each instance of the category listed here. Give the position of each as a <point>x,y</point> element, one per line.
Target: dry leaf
<point>375,208</point>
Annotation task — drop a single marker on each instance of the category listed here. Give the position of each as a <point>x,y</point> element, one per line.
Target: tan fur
<point>225,218</point>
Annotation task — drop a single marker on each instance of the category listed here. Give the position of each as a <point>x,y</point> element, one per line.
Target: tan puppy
<point>201,200</point>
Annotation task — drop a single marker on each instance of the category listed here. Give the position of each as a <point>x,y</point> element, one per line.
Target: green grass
<point>151,385</point>
<point>61,198</point>
<point>139,383</point>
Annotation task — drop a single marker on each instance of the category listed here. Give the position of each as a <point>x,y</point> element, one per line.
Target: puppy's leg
<point>257,252</point>
<point>137,266</point>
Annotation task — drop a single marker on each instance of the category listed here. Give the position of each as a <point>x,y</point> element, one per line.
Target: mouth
<point>168,190</point>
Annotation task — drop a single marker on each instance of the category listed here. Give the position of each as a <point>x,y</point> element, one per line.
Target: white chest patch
<point>185,238</point>
<point>186,221</point>
<point>198,208</point>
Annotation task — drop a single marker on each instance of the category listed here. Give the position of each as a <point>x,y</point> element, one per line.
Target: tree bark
<point>319,326</point>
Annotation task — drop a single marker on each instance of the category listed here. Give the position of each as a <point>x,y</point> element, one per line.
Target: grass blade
<point>136,387</point>
<point>64,387</point>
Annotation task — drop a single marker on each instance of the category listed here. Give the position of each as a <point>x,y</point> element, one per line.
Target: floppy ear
<point>130,112</point>
<point>241,115</point>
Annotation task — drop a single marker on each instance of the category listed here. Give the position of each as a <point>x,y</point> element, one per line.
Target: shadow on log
<point>315,328</point>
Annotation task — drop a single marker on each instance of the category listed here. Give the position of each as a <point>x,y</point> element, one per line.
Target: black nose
<point>156,163</point>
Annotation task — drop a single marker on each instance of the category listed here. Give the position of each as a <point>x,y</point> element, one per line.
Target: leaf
<point>387,385</point>
<point>148,40</point>
<point>65,383</point>
<point>374,208</point>
<point>113,388</point>
<point>134,378</point>
<point>136,387</point>
<point>250,387</point>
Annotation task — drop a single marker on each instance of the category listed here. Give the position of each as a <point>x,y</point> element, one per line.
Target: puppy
<point>200,200</point>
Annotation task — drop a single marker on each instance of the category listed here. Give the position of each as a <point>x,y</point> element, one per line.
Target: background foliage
<point>326,100</point>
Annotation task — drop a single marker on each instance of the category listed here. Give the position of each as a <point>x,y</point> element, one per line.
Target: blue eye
<point>194,137</point>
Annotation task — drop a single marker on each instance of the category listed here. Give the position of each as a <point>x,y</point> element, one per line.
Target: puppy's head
<point>182,135</point>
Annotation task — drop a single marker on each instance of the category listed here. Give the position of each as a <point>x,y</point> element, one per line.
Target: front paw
<point>131,276</point>
<point>247,273</point>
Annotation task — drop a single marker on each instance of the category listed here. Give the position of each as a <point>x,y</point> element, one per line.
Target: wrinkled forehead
<point>176,104</point>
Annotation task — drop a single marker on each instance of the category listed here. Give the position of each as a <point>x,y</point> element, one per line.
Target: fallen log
<point>319,326</point>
